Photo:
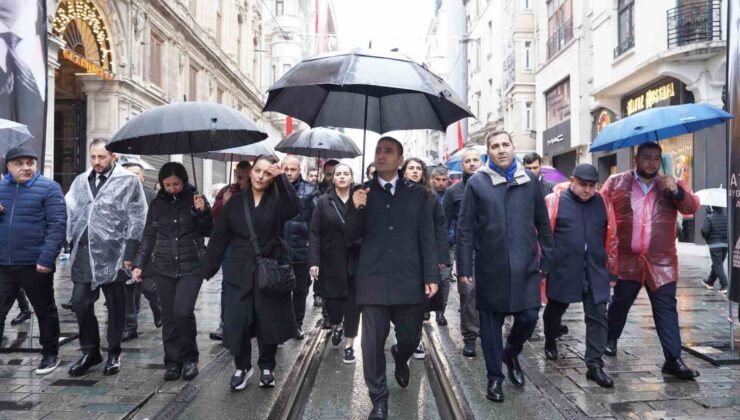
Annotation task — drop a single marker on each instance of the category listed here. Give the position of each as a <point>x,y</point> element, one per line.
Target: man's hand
<point>669,183</point>
<point>314,272</point>
<point>430,289</point>
<point>226,196</point>
<point>466,279</point>
<point>136,274</point>
<point>359,197</point>
<point>199,203</point>
<point>41,269</point>
<point>128,265</point>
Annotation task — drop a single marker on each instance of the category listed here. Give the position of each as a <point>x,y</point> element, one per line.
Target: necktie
<point>17,70</point>
<point>389,187</point>
<point>99,181</point>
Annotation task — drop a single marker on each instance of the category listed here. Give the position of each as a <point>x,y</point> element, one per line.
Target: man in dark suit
<point>397,268</point>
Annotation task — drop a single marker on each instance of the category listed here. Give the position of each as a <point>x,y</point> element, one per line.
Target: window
<point>625,27</point>
<point>219,22</point>
<point>527,55</point>
<point>557,102</point>
<point>155,58</point>
<point>279,7</point>
<point>559,25</point>
<point>193,84</point>
<point>528,120</point>
<point>527,5</point>
<point>219,95</point>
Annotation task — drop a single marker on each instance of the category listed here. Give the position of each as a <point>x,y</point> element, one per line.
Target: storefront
<point>557,147</point>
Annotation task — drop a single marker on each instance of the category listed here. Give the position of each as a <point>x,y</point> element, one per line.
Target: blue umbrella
<point>657,124</point>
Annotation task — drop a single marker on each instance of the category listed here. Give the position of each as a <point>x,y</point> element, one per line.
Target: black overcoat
<point>268,317</point>
<point>440,230</point>
<point>398,252</point>
<point>502,223</point>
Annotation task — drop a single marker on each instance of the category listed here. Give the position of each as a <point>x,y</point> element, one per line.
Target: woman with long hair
<point>333,259</point>
<point>249,311</point>
<point>172,248</point>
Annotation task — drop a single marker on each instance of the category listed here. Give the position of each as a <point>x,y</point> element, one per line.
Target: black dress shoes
<point>172,373</point>
<point>299,334</point>
<point>21,318</point>
<point>551,353</point>
<point>129,335</point>
<point>516,376</point>
<point>189,371</point>
<point>495,391</point>
<point>67,305</point>
<point>469,349</point>
<point>87,361</point>
<point>112,365</point>
<point>158,320</point>
<point>598,375</point>
<point>217,335</point>
<point>402,369</point>
<point>379,411</point>
<point>611,348</point>
<point>678,368</point>
<point>441,319</point>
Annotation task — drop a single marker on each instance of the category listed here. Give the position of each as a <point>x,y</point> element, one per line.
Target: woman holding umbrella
<point>249,312</point>
<point>172,247</point>
<point>335,258</point>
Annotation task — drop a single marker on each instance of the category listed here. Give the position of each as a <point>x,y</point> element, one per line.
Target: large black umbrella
<point>236,154</point>
<point>185,127</point>
<point>320,143</point>
<point>368,90</point>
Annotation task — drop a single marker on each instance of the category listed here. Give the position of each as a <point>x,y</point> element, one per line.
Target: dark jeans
<point>266,359</point>
<point>345,309</point>
<point>663,302</point>
<point>148,288</point>
<point>492,342</point>
<point>178,298</point>
<point>300,293</point>
<point>40,290</point>
<point>596,327</point>
<point>718,267</point>
<point>376,324</point>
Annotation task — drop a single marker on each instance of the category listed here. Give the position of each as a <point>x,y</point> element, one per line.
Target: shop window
<point>557,102</point>
<point>156,44</point>
<point>559,25</point>
<point>625,27</point>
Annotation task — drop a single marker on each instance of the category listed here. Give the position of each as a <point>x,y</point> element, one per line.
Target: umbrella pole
<point>231,167</point>
<point>364,137</point>
<point>192,162</point>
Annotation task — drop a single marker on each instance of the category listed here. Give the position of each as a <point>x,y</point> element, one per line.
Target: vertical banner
<point>23,67</point>
<point>733,96</point>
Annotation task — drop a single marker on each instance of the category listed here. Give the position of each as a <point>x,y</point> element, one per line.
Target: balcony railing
<point>624,46</point>
<point>561,37</point>
<point>695,22</point>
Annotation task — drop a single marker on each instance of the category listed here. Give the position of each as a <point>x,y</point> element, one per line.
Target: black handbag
<point>272,277</point>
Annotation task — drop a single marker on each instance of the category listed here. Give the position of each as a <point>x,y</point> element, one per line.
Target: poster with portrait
<point>733,97</point>
<point>678,158</point>
<point>23,67</point>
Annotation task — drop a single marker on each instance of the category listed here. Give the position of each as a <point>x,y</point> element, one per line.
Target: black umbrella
<point>185,127</point>
<point>368,90</point>
<point>320,143</point>
<point>236,154</point>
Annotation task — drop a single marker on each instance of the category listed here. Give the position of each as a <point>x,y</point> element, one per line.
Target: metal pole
<point>364,138</point>
<point>231,168</point>
<point>192,162</point>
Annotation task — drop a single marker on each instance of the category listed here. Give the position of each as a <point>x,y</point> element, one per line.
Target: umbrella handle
<point>364,137</point>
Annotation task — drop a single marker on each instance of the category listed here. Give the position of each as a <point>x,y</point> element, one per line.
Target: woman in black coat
<point>248,312</point>
<point>332,257</point>
<point>172,247</point>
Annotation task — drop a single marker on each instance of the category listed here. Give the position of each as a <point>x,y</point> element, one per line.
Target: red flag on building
<point>288,125</point>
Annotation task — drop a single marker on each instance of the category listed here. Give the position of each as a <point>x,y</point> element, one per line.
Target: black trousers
<point>148,288</point>
<point>40,291</point>
<point>345,309</point>
<point>376,324</point>
<point>492,342</point>
<point>665,316</point>
<point>23,305</point>
<point>300,293</point>
<point>83,305</point>
<point>718,267</point>
<point>596,327</point>
<point>266,359</point>
<point>178,297</point>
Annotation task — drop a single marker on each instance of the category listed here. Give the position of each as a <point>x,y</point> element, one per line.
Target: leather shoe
<point>112,365</point>
<point>516,376</point>
<point>379,411</point>
<point>495,391</point>
<point>299,334</point>
<point>598,375</point>
<point>469,349</point>
<point>611,348</point>
<point>441,319</point>
<point>21,318</point>
<point>158,320</point>
<point>67,305</point>
<point>551,353</point>
<point>189,371</point>
<point>678,368</point>
<point>563,330</point>
<point>87,361</point>
<point>129,335</point>
<point>402,369</point>
<point>172,373</point>
<point>217,335</point>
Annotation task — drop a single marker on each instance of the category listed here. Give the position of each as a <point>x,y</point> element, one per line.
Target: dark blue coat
<point>296,230</point>
<point>34,222</point>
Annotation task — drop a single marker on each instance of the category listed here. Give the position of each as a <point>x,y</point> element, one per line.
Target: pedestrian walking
<point>714,231</point>
<point>469,317</point>
<point>171,253</point>
<point>533,162</point>
<point>33,219</point>
<point>334,257</point>
<point>257,214</point>
<point>241,176</point>
<point>397,269</point>
<point>296,235</point>
<point>503,218</point>
<point>107,211</point>
<point>147,286</point>
<point>415,170</point>
<point>370,171</point>
<point>324,186</point>
<point>325,183</point>
<point>440,180</point>
<point>646,205</point>
<point>584,233</point>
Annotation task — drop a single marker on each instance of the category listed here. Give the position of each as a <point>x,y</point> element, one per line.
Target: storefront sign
<point>668,91</point>
<point>556,139</point>
<point>601,118</point>
<point>86,64</point>
<point>653,96</point>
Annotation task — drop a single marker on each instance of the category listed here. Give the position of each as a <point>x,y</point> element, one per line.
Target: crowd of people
<point>379,253</point>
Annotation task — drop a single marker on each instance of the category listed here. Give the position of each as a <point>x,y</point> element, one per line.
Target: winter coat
<point>714,229</point>
<point>172,243</point>
<point>296,229</point>
<point>451,205</point>
<point>502,223</point>
<point>34,221</point>
<point>218,202</point>
<point>397,254</point>
<point>329,246</point>
<point>246,309</point>
<point>585,246</point>
<point>440,230</point>
<point>646,228</point>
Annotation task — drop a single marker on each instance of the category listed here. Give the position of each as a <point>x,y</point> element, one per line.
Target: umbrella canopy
<point>236,154</point>
<point>657,124</point>
<point>12,134</point>
<point>126,160</point>
<point>715,197</point>
<point>185,127</point>
<point>553,175</point>
<point>319,143</point>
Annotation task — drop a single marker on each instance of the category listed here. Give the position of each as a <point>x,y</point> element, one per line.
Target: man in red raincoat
<point>646,205</point>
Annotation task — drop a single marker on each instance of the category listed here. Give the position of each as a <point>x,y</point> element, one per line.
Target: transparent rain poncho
<point>116,215</point>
